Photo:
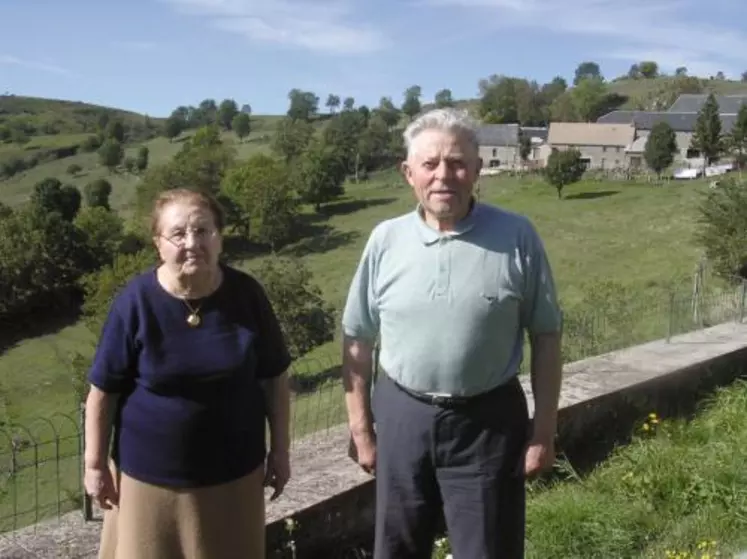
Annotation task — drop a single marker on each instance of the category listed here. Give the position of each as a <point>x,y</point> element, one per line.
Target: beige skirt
<point>219,522</point>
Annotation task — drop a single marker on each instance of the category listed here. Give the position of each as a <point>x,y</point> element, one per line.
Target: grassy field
<point>678,491</point>
<point>637,235</point>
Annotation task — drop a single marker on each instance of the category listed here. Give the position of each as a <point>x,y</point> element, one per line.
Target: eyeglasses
<point>200,235</point>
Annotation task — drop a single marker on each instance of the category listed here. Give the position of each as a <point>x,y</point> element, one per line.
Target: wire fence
<point>41,463</point>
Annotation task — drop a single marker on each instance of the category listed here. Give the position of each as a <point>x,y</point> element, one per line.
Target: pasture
<point>636,235</point>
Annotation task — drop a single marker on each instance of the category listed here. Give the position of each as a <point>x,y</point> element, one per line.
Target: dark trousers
<point>463,464</point>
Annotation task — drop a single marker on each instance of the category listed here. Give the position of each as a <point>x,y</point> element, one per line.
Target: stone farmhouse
<point>615,141</point>
<point>500,145</point>
<point>681,116</point>
<point>602,146</point>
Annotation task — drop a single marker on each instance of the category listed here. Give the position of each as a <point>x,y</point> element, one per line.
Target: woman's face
<point>188,242</point>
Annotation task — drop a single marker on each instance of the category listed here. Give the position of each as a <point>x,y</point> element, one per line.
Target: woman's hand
<point>99,484</point>
<point>277,472</point>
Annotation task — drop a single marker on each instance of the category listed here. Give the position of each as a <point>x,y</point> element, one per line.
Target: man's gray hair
<point>456,121</point>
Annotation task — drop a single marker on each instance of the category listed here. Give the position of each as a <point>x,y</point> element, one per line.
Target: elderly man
<point>449,291</point>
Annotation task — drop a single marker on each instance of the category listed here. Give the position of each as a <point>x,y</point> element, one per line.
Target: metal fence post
<point>670,322</point>
<point>87,502</point>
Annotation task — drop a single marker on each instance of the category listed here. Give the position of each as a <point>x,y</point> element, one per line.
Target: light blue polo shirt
<point>450,309</point>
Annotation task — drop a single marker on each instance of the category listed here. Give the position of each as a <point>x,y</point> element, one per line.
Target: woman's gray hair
<point>456,121</point>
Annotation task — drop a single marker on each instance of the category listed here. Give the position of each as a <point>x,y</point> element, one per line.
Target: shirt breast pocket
<point>500,304</point>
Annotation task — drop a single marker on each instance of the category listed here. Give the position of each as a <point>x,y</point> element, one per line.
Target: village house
<point>499,145</point>
<point>681,116</point>
<point>602,146</point>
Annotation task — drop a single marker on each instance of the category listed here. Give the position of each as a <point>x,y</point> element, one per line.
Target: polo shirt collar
<point>429,235</point>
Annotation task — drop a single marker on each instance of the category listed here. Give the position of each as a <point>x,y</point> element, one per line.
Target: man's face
<point>442,169</point>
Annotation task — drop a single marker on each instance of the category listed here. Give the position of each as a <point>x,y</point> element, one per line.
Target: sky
<point>151,56</point>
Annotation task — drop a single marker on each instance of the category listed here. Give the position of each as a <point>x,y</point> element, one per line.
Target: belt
<point>450,401</point>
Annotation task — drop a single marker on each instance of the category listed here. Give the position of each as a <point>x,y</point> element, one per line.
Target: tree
<point>100,287</point>
<point>50,195</point>
<point>444,99</point>
<point>111,154</point>
<point>649,69</point>
<point>342,133</point>
<point>720,75</point>
<point>634,73</point>
<point>242,125</point>
<point>588,96</point>
<point>262,195</point>
<point>200,164</point>
<point>564,168</point>
<point>226,112</point>
<point>707,134</point>
<point>525,147</point>
<point>744,76</point>
<point>498,100</point>
<point>660,147</point>
<point>303,105</point>
<point>722,227</point>
<point>681,71</point>
<point>104,232</point>
<point>587,70</point>
<point>388,112</point>
<point>333,102</point>
<point>42,256</point>
<point>97,194</point>
<point>291,137</point>
<point>141,162</point>
<point>174,126</point>
<point>306,319</point>
<point>737,139</point>
<point>320,174</point>
<point>246,108</point>
<point>115,131</point>
<point>74,169</point>
<point>411,105</point>
<point>348,104</point>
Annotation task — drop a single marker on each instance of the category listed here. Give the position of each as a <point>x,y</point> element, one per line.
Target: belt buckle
<point>438,399</point>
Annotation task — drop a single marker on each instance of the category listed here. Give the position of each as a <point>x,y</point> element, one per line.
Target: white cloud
<point>636,29</point>
<point>135,46</point>
<point>324,26</point>
<point>9,60</point>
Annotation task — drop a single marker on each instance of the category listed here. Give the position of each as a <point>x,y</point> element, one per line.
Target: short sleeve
<point>360,318</point>
<point>113,367</point>
<point>273,357</point>
<point>540,313</point>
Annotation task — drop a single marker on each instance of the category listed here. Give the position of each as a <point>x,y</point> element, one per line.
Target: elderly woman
<point>190,365</point>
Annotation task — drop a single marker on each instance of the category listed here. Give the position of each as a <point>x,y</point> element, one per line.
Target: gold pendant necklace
<point>193,319</point>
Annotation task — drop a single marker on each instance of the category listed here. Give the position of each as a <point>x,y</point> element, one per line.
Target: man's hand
<point>277,472</point>
<point>365,453</point>
<point>540,456</point>
<point>99,484</point>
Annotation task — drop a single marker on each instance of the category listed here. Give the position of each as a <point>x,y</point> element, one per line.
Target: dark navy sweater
<point>191,411</point>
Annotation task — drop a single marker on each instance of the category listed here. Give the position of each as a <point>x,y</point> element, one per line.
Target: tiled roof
<point>498,135</point>
<point>591,134</point>
<point>692,103</point>
<point>535,132</point>
<point>645,120</point>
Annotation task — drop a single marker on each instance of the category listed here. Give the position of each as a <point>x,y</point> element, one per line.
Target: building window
<point>495,152</point>
<point>604,148</point>
<point>604,161</point>
<point>618,149</point>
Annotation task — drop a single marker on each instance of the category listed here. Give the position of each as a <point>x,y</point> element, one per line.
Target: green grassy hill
<point>55,116</point>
